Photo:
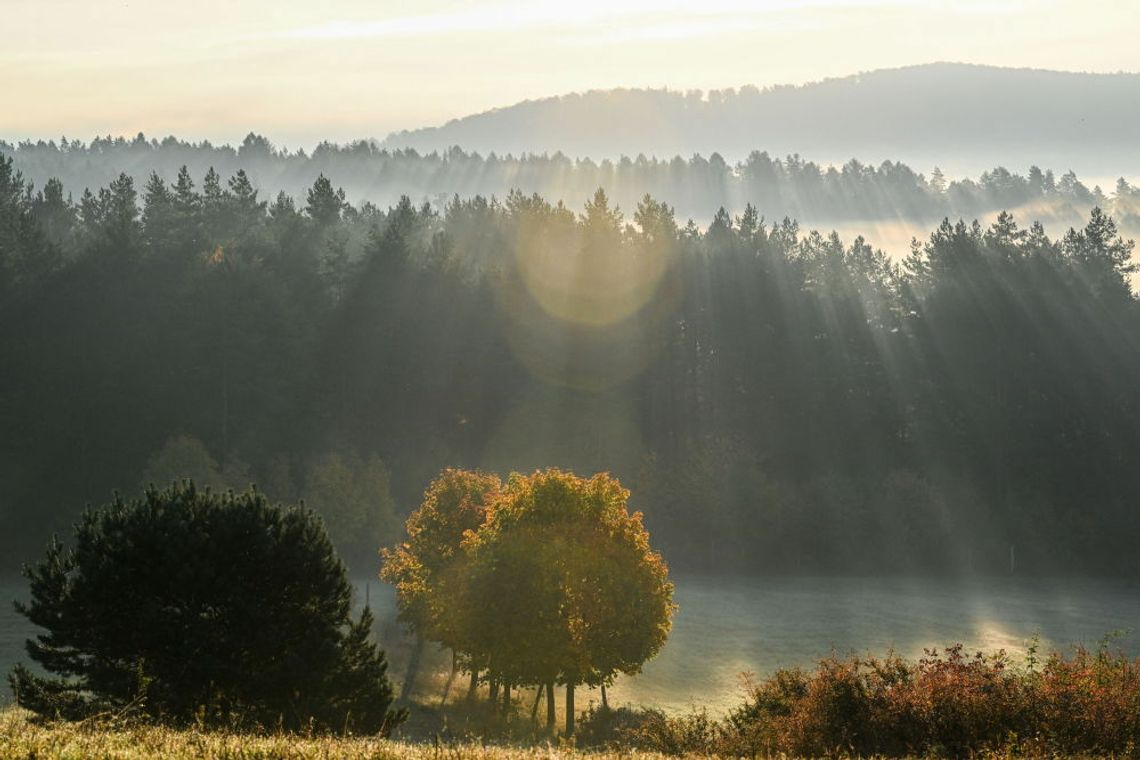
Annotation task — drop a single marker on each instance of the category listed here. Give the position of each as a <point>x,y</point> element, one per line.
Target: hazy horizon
<point>285,140</point>
<point>359,70</point>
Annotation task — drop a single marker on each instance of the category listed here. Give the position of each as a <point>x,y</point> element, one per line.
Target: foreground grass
<point>23,738</point>
<point>945,704</point>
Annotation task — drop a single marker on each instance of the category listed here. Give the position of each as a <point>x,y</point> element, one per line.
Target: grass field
<point>950,703</point>
<point>22,738</point>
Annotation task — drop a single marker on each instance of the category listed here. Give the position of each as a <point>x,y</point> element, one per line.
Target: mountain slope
<point>962,115</point>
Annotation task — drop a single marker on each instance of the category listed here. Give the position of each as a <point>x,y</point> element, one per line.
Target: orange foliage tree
<point>545,579</point>
<point>428,568</point>
<point>564,585</point>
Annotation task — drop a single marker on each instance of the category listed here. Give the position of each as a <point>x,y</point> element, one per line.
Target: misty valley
<point>569,420</point>
<point>730,626</point>
<point>841,456</point>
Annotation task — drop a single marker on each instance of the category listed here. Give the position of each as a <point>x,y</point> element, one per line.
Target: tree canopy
<point>186,605</point>
<point>778,399</point>
<point>551,579</point>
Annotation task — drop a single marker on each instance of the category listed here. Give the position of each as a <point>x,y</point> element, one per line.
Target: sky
<point>303,71</point>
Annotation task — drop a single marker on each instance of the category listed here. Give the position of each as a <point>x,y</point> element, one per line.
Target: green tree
<point>189,605</point>
<point>353,496</point>
<point>324,204</point>
<point>56,214</point>
<point>26,253</point>
<point>184,457</point>
<point>1103,257</point>
<point>111,220</point>
<point>247,209</point>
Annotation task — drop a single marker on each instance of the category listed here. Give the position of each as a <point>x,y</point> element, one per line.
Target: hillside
<point>965,117</point>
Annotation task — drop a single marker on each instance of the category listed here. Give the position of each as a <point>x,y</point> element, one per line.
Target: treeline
<point>776,401</point>
<point>791,186</point>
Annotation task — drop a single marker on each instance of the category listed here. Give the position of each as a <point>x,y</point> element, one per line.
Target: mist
<point>691,400</point>
<point>888,203</point>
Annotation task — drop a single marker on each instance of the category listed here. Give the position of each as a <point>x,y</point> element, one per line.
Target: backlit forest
<point>777,399</point>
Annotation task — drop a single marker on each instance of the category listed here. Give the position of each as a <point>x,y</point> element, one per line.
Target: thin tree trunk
<point>569,709</point>
<point>605,702</point>
<point>506,697</point>
<point>550,706</point>
<point>494,691</point>
<point>534,708</point>
<point>413,668</point>
<point>474,684</point>
<point>450,678</point>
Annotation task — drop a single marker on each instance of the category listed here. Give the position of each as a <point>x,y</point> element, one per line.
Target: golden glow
<point>585,307</point>
<point>597,287</point>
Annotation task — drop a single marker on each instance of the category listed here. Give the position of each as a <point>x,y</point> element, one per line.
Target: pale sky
<point>300,72</point>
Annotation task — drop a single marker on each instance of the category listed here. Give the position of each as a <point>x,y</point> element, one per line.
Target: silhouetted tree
<point>188,606</point>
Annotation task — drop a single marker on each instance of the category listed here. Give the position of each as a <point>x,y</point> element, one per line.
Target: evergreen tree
<point>189,606</point>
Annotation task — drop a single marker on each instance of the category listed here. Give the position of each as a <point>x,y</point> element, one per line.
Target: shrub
<point>186,605</point>
<point>947,702</point>
<point>651,730</point>
<point>1089,702</point>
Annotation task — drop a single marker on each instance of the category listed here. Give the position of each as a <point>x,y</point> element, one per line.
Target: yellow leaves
<point>427,568</point>
<point>545,577</point>
<point>599,576</point>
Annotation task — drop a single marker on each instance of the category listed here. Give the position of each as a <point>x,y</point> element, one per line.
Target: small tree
<point>184,456</point>
<point>190,605</point>
<point>567,584</point>
<point>429,568</point>
<point>352,493</point>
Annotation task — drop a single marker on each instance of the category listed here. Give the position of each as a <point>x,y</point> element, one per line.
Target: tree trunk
<point>450,677</point>
<point>605,702</point>
<point>506,697</point>
<point>534,708</point>
<point>413,668</point>
<point>474,684</point>
<point>494,690</point>
<point>550,706</point>
<point>569,709</point>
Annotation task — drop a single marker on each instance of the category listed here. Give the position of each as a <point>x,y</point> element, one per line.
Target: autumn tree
<point>428,567</point>
<point>567,586</point>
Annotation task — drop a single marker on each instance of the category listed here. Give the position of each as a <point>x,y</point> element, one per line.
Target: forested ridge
<point>929,113</point>
<point>813,192</point>
<point>777,400</point>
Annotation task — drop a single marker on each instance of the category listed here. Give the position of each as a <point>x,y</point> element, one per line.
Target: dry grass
<point>22,738</point>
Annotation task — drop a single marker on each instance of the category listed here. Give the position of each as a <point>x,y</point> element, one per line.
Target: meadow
<point>948,703</point>
<point>729,625</point>
<point>20,738</point>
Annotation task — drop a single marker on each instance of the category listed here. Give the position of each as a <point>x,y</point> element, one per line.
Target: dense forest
<point>811,192</point>
<point>777,400</point>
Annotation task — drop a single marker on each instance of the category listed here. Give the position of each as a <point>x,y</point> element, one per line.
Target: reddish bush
<point>946,703</point>
<point>1089,702</point>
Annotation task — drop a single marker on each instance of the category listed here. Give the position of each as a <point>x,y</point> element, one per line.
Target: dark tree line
<point>777,401</point>
<point>697,186</point>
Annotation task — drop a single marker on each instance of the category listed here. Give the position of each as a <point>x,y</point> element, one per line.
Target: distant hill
<point>964,117</point>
